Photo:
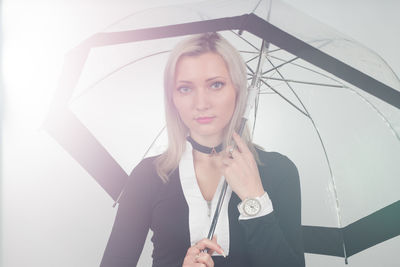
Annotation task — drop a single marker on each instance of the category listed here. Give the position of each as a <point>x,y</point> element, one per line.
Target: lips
<point>205,120</point>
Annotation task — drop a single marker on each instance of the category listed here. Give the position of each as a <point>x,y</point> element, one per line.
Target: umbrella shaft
<point>222,194</point>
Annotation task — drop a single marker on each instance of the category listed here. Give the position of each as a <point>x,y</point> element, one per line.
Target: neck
<point>208,141</point>
<point>207,159</point>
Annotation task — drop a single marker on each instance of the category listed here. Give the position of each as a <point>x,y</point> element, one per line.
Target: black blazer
<point>148,203</point>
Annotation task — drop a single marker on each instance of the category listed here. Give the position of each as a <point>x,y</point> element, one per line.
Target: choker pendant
<point>213,152</point>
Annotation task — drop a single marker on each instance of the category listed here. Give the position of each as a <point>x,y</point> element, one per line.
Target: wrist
<point>254,207</point>
<point>252,194</point>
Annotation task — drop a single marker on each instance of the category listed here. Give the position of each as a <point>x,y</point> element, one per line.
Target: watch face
<point>252,207</point>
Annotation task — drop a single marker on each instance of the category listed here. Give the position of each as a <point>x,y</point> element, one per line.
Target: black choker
<point>204,149</point>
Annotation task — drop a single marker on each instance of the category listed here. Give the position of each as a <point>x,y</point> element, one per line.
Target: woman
<point>175,194</point>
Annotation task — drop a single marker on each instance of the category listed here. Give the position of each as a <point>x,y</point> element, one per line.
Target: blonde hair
<point>196,45</point>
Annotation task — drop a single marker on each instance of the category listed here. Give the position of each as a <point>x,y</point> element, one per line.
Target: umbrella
<point>325,101</point>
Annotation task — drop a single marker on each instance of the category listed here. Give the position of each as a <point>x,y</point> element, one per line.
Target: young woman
<point>175,193</point>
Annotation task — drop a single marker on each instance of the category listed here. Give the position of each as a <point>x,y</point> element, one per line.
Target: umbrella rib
<point>268,93</point>
<point>279,66</point>
<point>326,156</point>
<point>348,88</point>
<point>116,70</point>
<point>308,113</point>
<point>251,59</point>
<point>251,70</point>
<point>342,85</point>
<point>274,50</point>
<point>256,6</point>
<point>291,60</point>
<point>309,69</point>
<point>284,98</point>
<point>383,117</point>
<point>304,82</point>
<point>238,35</point>
<point>326,40</point>
<point>248,52</point>
<point>255,110</point>
<point>258,78</point>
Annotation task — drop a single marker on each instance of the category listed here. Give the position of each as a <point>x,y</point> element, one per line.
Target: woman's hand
<point>196,257</point>
<point>241,172</point>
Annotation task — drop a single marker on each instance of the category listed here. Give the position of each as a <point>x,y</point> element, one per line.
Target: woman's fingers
<point>196,255</point>
<point>193,251</point>
<point>227,160</point>
<point>194,264</point>
<point>211,251</point>
<point>240,151</point>
<point>204,258</point>
<point>232,152</point>
<point>210,245</point>
<point>242,146</point>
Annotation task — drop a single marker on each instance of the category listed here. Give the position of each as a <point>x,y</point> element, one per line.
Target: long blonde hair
<point>177,130</point>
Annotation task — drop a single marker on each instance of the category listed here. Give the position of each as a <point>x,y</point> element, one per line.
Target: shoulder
<point>143,180</point>
<point>146,164</point>
<point>281,181</point>
<point>277,168</point>
<point>145,174</point>
<point>274,160</point>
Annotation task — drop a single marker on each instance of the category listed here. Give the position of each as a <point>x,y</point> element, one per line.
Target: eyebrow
<point>182,81</point>
<point>209,79</point>
<point>216,77</point>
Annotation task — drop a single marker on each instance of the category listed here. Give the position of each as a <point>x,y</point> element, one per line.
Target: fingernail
<point>223,253</point>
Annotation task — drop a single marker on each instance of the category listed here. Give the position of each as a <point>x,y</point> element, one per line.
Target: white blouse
<point>199,219</point>
<point>200,214</point>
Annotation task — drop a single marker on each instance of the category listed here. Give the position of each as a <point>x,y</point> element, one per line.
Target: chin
<point>208,134</point>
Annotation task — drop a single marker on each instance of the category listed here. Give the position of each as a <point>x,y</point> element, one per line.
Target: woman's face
<point>204,96</point>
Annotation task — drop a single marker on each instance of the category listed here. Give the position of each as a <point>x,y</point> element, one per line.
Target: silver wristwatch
<point>252,206</point>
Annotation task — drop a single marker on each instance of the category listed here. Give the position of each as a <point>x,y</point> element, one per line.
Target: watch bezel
<point>246,203</point>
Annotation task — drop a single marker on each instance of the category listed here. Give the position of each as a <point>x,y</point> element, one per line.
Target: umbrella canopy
<point>325,101</point>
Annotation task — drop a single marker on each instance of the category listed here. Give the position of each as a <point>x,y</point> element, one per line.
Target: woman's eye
<point>217,85</point>
<point>184,90</point>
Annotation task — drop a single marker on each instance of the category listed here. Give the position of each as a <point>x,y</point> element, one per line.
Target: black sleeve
<point>132,221</point>
<point>276,239</point>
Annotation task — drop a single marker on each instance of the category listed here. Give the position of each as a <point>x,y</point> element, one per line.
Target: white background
<point>53,213</point>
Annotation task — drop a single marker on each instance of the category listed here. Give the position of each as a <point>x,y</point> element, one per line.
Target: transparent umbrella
<point>325,101</point>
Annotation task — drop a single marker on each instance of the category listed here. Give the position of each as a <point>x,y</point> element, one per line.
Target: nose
<point>202,100</point>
